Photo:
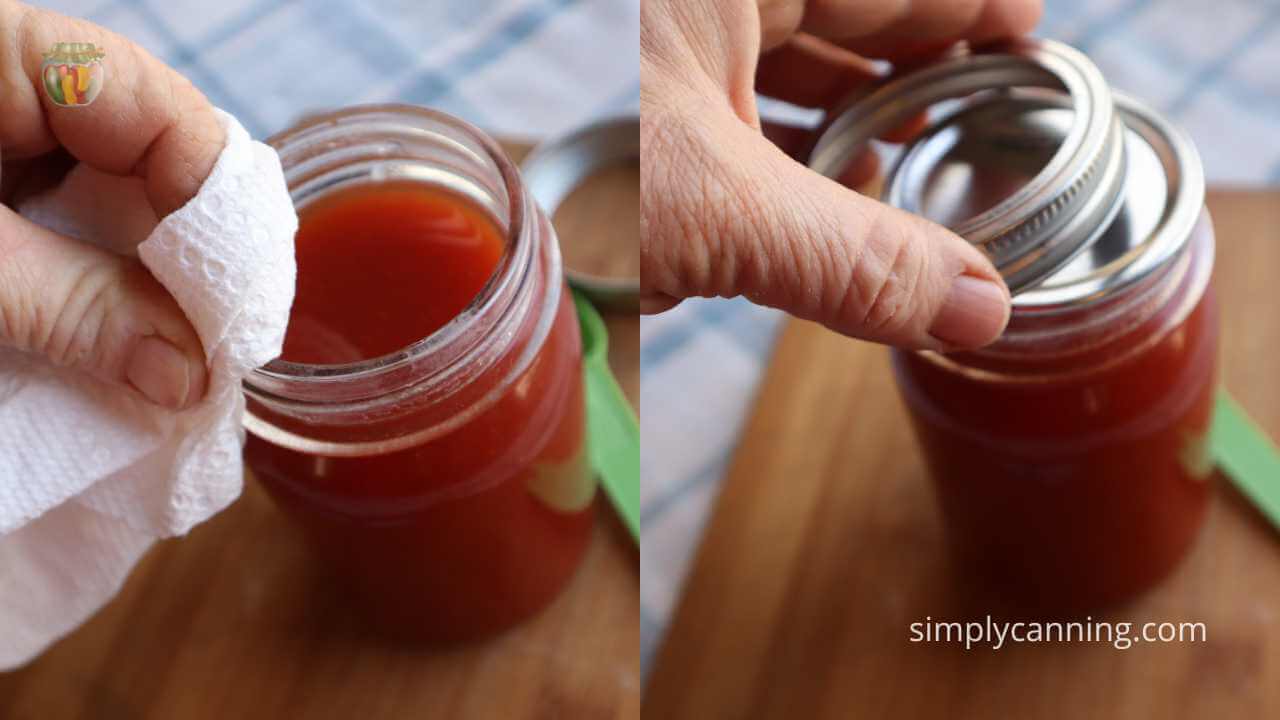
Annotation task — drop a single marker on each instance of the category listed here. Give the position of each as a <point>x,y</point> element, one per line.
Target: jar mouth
<point>317,160</point>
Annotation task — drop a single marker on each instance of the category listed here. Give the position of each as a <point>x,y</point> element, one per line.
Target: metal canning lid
<point>1162,199</point>
<point>1030,223</point>
<point>555,168</point>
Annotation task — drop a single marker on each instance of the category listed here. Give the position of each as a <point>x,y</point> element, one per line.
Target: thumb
<point>731,214</point>
<point>84,307</point>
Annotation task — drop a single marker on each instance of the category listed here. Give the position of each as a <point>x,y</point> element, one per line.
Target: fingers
<point>20,179</point>
<point>897,30</point>
<point>83,307</point>
<point>75,304</point>
<point>811,73</point>
<point>146,121</point>
<point>727,213</point>
<point>779,19</point>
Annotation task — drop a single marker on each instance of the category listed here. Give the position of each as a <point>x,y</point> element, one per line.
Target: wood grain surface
<point>237,621</point>
<point>825,544</point>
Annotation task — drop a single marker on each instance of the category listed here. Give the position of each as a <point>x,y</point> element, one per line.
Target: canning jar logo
<point>73,73</point>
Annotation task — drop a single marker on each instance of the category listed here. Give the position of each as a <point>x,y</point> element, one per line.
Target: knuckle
<point>890,271</point>
<point>19,308</point>
<point>77,330</point>
<point>826,266</point>
<point>16,311</point>
<point>737,226</point>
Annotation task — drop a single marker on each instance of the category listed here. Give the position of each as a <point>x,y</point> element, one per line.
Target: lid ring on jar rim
<point>1022,234</point>
<point>1182,175</point>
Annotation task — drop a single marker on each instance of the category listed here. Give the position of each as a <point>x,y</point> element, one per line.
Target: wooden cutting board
<point>825,544</point>
<point>235,620</point>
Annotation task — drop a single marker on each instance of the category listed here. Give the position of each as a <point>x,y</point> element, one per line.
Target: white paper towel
<point>90,474</point>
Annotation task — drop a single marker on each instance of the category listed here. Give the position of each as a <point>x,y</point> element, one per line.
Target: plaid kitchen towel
<point>1211,66</point>
<point>517,68</point>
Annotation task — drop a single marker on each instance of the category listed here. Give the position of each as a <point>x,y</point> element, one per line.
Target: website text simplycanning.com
<point>996,633</point>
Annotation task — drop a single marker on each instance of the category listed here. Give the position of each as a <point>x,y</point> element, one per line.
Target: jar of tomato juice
<point>1070,457</point>
<point>425,423</point>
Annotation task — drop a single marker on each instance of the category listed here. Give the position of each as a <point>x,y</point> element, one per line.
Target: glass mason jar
<point>1070,457</point>
<point>446,483</point>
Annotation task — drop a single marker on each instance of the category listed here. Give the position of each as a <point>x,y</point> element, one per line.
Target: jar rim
<point>1175,288</point>
<point>510,266</point>
<point>499,334</point>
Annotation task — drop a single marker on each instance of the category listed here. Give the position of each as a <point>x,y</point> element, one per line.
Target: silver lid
<point>1162,199</point>
<point>555,168</point>
<point>1028,226</point>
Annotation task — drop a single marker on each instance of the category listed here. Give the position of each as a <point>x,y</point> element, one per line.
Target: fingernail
<point>160,371</point>
<point>974,313</point>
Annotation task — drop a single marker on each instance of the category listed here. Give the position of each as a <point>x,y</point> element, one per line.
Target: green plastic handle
<point>612,428</point>
<point>1243,452</point>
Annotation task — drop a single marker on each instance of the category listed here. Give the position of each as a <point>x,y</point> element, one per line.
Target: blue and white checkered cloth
<point>1211,66</point>
<point>517,68</point>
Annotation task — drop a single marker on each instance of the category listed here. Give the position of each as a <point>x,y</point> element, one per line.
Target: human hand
<point>73,303</point>
<point>726,212</point>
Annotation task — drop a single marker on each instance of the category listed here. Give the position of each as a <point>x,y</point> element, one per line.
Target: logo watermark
<point>996,633</point>
<point>73,73</point>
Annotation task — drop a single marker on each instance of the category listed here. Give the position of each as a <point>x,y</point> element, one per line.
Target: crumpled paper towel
<point>90,474</point>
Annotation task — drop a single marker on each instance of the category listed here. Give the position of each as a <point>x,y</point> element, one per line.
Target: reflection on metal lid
<point>1070,189</point>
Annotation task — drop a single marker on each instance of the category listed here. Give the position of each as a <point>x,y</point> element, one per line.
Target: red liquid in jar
<point>383,266</point>
<point>468,532</point>
<point>1080,480</point>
